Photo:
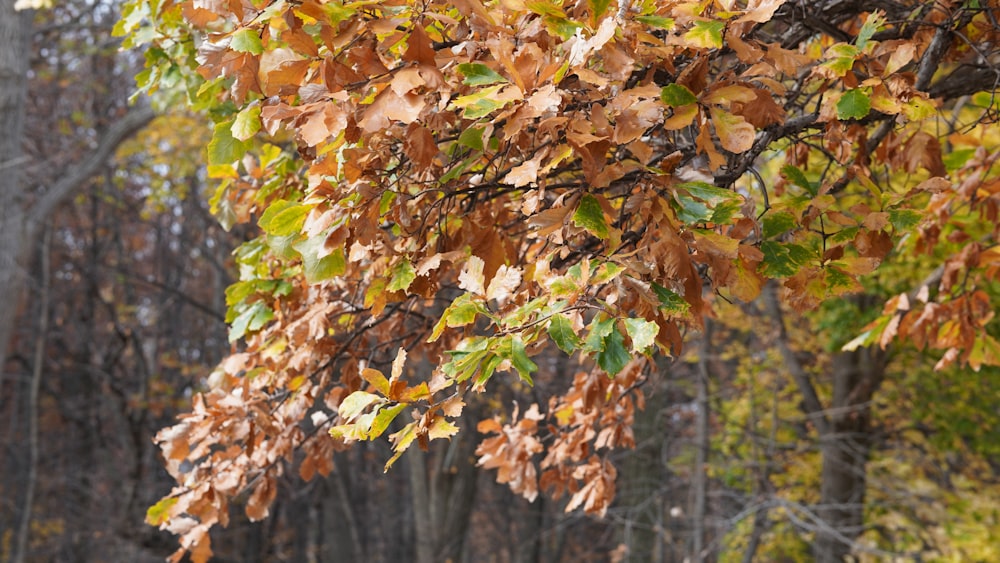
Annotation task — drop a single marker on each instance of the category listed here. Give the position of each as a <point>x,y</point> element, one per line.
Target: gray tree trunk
<point>15,33</point>
<point>845,449</point>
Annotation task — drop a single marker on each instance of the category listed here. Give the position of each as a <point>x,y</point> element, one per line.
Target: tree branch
<point>809,396</point>
<point>133,121</point>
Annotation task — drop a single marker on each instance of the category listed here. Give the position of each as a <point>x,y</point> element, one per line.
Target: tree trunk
<point>845,449</point>
<point>15,31</point>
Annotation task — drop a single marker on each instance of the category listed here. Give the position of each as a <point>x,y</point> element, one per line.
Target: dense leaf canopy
<point>452,191</point>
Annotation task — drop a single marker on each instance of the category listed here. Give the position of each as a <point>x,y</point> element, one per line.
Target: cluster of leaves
<point>469,183</point>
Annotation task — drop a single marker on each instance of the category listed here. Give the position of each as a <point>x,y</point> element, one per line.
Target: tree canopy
<point>454,193</point>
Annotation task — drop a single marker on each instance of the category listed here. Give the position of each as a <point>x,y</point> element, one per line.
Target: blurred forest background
<point>119,317</point>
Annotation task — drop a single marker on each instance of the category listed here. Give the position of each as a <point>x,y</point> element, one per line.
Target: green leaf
<point>590,216</point>
<point>462,314</point>
<point>706,33</point>
<point>251,319</point>
<point>903,220</point>
<point>224,148</point>
<point>599,330</point>
<point>794,175</point>
<point>562,333</point>
<point>656,21</point>
<point>597,9</point>
<point>472,137</point>
<point>478,74</point>
<point>337,12</point>
<point>783,260</point>
<point>708,193</point>
<point>383,419</point>
<point>642,332</point>
<point>246,41</point>
<point>355,403</point>
<point>779,223</point>
<point>518,356</point>
<point>564,28</point>
<point>691,211</point>
<point>283,218</point>
<point>614,357</point>
<point>676,95</point>
<point>841,58</point>
<point>315,267</point>
<point>874,21</point>
<point>403,275</point>
<point>545,8</point>
<point>721,206</point>
<point>670,302</point>
<point>854,104</point>
<point>247,123</point>
<point>481,103</point>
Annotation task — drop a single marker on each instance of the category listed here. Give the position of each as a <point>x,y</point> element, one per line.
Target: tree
<point>23,210</point>
<point>451,190</point>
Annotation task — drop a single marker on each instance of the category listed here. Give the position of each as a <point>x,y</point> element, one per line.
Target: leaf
<point>247,123</point>
<point>486,101</point>
<point>503,284</point>
<point>512,348</point>
<point>874,21</point>
<point>403,275</point>
<point>472,279</point>
<point>478,74</point>
<point>472,137</point>
<point>160,513</point>
<point>376,379</point>
<point>441,428</point>
<point>597,9</point>
<point>670,302</point>
<point>614,357</point>
<point>397,365</point>
<point>224,149</point>
<point>659,22</point>
<point>401,442</point>
<point>246,41</point>
<point>854,104</point>
<point>590,216</point>
<point>522,174</point>
<point>283,218</point>
<point>735,133</point>
<point>783,260</point>
<point>561,331</point>
<point>383,419</point>
<point>319,264</point>
<point>642,332</point>
<point>706,34</point>
<point>779,223</point>
<point>355,403</point>
<point>676,95</point>
<point>840,59</point>
<point>250,320</point>
<point>797,177</point>
<point>599,330</point>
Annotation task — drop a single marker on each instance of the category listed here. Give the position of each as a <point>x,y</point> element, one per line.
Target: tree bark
<point>15,31</point>
<point>845,450</point>
<point>844,433</point>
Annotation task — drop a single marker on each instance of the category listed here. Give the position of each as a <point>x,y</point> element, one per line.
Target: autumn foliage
<point>451,192</point>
